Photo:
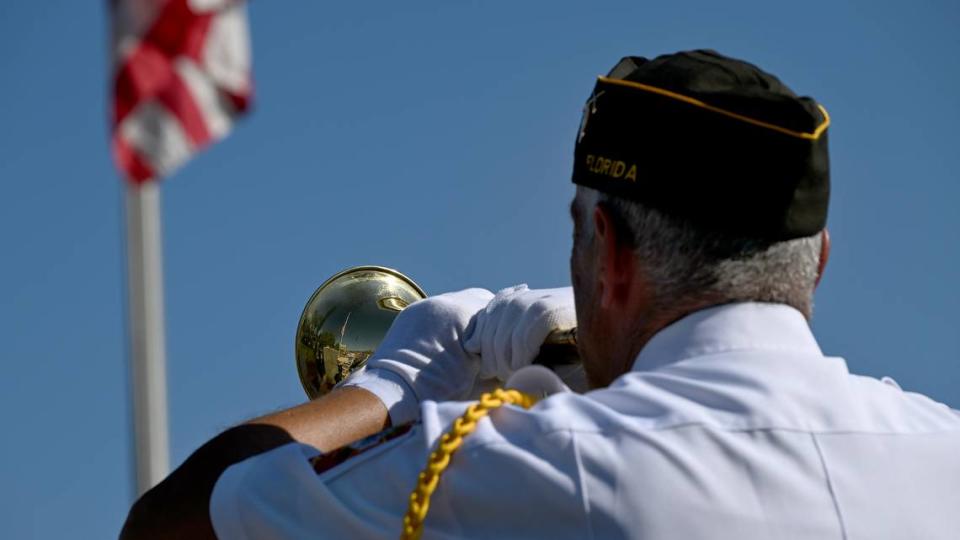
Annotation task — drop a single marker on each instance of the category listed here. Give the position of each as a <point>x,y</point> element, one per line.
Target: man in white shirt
<point>698,240</point>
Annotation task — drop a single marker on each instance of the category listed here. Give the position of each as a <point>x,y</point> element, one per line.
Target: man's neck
<point>659,315</point>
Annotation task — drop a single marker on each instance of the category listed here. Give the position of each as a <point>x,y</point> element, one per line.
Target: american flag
<point>182,74</point>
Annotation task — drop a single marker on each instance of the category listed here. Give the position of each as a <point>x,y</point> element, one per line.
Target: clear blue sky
<point>436,138</point>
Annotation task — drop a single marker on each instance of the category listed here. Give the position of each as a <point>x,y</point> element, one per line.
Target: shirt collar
<point>748,326</point>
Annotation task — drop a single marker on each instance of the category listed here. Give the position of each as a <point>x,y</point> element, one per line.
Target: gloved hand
<point>508,332</point>
<point>421,357</point>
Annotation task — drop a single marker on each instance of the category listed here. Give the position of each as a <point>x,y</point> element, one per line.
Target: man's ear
<point>615,266</point>
<point>824,254</point>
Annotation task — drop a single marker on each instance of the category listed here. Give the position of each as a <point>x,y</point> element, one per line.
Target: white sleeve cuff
<point>395,393</point>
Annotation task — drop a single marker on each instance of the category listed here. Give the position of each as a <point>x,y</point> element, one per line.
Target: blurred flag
<point>182,74</point>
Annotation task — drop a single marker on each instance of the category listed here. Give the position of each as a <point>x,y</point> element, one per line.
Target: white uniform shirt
<point>732,424</point>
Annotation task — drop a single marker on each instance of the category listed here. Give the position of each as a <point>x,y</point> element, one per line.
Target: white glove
<point>421,357</point>
<point>537,381</point>
<point>508,333</point>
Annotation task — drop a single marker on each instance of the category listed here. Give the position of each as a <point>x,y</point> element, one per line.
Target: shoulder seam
<point>582,484</point>
<point>830,488</point>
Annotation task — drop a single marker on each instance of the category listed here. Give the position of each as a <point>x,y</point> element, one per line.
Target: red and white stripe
<point>182,75</point>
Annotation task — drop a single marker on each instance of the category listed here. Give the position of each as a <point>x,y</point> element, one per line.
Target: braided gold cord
<point>451,441</point>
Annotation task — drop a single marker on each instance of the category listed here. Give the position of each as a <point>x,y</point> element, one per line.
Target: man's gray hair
<point>689,265</point>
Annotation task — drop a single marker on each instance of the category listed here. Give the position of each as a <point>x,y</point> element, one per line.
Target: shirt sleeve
<point>279,494</point>
<point>507,480</point>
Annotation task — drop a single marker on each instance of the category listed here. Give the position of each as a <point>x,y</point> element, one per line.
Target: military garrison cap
<point>708,139</point>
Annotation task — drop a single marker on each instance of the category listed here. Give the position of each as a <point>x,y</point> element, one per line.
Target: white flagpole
<point>146,333</point>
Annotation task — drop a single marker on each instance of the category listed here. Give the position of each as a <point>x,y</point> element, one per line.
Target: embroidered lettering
<point>613,168</point>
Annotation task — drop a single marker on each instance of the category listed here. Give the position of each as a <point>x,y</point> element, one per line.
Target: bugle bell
<point>347,317</point>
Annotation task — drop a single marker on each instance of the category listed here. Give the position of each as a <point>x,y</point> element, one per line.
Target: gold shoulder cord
<point>451,441</point>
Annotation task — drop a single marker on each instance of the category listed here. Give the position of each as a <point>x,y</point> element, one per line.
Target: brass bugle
<point>347,317</point>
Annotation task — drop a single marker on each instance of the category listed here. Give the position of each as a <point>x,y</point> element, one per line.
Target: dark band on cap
<point>711,140</point>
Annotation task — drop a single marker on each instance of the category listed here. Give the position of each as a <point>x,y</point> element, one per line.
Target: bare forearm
<point>179,506</point>
<point>338,418</point>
